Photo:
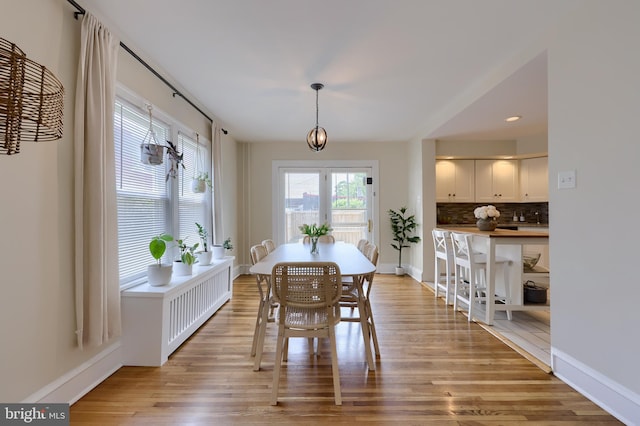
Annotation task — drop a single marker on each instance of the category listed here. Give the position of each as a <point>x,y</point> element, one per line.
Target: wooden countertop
<point>501,233</point>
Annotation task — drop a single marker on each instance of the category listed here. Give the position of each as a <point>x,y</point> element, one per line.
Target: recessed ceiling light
<point>513,118</point>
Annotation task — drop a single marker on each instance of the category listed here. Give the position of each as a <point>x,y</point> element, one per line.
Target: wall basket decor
<point>31,100</point>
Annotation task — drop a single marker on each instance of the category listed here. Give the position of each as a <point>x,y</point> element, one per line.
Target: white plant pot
<point>399,271</point>
<point>198,186</point>
<point>151,154</point>
<point>181,269</point>
<point>218,252</point>
<point>158,275</point>
<point>204,257</point>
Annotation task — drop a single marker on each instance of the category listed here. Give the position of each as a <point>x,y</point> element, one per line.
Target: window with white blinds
<point>192,207</point>
<point>148,203</point>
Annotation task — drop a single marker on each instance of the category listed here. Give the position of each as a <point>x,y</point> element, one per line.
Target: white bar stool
<point>443,257</point>
<point>470,275</point>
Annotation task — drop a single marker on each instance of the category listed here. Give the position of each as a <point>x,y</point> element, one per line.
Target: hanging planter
<point>151,152</point>
<point>176,160</point>
<point>200,179</point>
<point>200,183</point>
<point>198,186</point>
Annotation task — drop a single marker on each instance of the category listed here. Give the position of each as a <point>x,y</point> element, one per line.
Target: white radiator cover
<point>157,320</point>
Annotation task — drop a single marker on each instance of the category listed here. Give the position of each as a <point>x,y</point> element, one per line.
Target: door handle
<point>370,225</point>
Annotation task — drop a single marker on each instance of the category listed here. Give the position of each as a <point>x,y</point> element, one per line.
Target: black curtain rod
<point>81,11</point>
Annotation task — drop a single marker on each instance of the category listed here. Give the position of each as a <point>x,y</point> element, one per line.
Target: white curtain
<point>96,238</point>
<point>216,162</point>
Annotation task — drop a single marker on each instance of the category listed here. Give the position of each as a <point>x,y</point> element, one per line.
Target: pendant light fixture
<point>317,137</point>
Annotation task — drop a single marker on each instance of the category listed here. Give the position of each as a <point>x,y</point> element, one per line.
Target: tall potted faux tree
<point>402,227</point>
<point>159,274</point>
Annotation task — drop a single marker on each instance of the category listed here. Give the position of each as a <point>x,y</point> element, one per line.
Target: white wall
<point>594,87</point>
<point>534,144</point>
<point>257,160</point>
<point>37,315</point>
<point>429,211</point>
<point>475,149</point>
<point>39,356</point>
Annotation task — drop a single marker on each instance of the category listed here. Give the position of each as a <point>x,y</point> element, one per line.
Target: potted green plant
<point>402,227</point>
<point>219,249</point>
<point>176,160</point>
<point>204,256</point>
<point>200,182</point>
<point>159,274</point>
<point>151,152</point>
<point>184,265</point>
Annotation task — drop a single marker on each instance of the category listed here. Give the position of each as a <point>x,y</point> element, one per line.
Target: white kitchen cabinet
<point>455,181</point>
<point>534,179</point>
<point>496,181</point>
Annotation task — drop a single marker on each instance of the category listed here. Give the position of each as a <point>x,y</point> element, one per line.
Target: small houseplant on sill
<point>200,182</point>
<point>219,249</point>
<point>184,265</point>
<point>315,232</point>
<point>402,227</point>
<point>159,274</point>
<point>487,217</point>
<point>204,256</point>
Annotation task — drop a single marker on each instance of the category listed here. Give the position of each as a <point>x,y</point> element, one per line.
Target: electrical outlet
<point>567,180</point>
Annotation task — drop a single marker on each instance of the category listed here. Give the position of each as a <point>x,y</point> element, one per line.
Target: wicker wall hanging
<point>31,100</point>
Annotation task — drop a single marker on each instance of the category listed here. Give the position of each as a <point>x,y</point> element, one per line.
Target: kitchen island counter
<point>510,244</point>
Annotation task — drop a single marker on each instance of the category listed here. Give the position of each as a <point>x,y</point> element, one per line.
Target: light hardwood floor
<point>435,368</point>
<point>528,333</point>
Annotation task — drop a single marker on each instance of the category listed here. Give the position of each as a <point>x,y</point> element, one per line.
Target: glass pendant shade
<point>317,139</point>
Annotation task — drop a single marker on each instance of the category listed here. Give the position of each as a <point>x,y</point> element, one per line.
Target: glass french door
<point>340,196</point>
<point>350,205</point>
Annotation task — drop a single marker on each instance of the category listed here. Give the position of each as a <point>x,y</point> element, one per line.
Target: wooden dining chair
<point>308,294</point>
<point>361,244</point>
<point>352,299</point>
<point>269,244</point>
<point>265,306</point>
<point>321,239</point>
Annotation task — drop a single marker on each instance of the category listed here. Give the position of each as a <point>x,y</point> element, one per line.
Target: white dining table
<point>348,258</point>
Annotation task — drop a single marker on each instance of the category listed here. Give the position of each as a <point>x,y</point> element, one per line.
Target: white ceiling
<point>392,70</point>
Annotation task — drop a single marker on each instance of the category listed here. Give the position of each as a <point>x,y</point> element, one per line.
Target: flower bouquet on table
<point>487,217</point>
<point>314,232</point>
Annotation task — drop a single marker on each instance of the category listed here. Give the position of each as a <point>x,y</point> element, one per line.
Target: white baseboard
<point>617,400</point>
<point>76,383</point>
<point>390,268</point>
<point>237,271</point>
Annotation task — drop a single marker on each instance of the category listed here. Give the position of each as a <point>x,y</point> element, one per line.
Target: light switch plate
<point>567,180</point>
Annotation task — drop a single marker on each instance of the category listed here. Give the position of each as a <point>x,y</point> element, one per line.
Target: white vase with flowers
<point>487,217</point>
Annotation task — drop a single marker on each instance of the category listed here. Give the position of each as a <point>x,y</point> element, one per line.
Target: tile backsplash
<point>462,213</point>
